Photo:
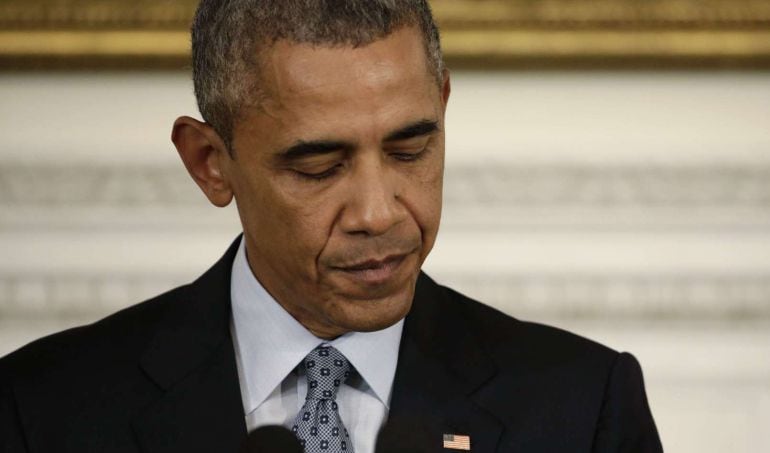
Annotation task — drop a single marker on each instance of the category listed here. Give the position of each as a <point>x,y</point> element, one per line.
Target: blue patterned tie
<point>318,426</point>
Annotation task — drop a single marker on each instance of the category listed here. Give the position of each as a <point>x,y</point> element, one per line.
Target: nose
<point>373,205</point>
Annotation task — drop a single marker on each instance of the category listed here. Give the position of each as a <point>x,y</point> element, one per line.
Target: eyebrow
<point>418,129</point>
<point>315,147</point>
<point>303,148</point>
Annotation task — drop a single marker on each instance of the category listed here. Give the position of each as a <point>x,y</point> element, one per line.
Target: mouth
<point>374,271</point>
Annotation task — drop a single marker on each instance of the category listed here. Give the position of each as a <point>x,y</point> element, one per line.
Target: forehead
<point>291,67</point>
<point>298,80</point>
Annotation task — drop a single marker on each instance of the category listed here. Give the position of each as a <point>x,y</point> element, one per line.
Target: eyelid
<point>318,176</point>
<point>309,162</point>
<point>412,144</point>
<point>407,156</point>
<point>315,164</point>
<point>417,141</point>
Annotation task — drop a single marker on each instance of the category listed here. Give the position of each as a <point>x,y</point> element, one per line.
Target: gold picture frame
<point>153,34</point>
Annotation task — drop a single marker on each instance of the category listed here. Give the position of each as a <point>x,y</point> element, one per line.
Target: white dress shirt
<point>270,344</point>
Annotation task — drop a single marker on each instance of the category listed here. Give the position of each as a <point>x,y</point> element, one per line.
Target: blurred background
<point>608,172</point>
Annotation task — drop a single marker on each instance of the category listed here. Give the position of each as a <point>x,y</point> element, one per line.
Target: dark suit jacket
<point>161,377</point>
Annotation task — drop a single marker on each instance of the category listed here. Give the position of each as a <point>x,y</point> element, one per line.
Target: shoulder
<point>121,338</point>
<point>511,342</point>
<point>100,345</point>
<point>92,374</point>
<point>568,391</point>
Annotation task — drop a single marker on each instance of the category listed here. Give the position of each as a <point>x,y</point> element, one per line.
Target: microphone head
<point>271,439</point>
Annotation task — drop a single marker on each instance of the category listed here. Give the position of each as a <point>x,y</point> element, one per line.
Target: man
<point>325,123</point>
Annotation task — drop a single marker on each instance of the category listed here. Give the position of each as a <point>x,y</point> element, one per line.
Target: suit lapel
<point>192,360</point>
<point>441,368</point>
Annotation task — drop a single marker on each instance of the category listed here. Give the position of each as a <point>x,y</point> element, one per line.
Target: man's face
<point>338,178</point>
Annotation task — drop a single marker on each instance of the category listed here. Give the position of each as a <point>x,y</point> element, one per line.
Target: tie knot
<point>326,370</point>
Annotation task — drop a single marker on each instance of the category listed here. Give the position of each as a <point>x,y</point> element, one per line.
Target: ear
<point>446,88</point>
<point>202,151</point>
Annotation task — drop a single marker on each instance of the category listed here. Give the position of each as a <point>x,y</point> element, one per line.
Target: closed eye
<point>409,156</point>
<point>318,176</point>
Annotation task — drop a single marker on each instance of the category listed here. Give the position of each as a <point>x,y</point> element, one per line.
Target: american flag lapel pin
<point>457,442</point>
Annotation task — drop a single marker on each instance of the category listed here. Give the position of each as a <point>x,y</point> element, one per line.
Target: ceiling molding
<point>152,34</point>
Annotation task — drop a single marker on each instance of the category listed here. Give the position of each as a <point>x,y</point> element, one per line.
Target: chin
<point>379,313</point>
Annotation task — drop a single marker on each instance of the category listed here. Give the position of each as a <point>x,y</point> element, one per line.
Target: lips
<point>374,271</point>
<point>373,264</point>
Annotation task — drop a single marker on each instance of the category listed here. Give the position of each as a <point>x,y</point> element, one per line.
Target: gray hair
<point>228,36</point>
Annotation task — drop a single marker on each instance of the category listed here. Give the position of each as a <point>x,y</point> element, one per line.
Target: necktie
<point>318,425</point>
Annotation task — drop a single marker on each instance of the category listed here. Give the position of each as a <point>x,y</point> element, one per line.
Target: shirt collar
<point>270,343</point>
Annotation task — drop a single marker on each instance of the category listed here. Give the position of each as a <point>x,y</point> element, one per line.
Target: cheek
<point>430,215</point>
<point>305,225</point>
<point>424,198</point>
<point>284,230</point>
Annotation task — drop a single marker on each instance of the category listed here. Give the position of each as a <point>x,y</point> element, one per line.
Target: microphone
<point>271,439</point>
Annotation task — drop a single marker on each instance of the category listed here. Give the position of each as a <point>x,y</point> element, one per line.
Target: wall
<point>633,208</point>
